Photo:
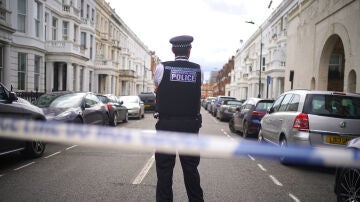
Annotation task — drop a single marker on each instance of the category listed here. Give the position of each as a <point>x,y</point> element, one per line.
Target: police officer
<point>178,88</point>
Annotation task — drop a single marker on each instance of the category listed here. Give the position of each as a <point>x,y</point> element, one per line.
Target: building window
<point>81,78</point>
<point>21,70</point>
<point>46,25</point>
<point>65,30</point>
<point>21,17</point>
<point>92,14</point>
<point>37,72</point>
<point>74,78</point>
<point>37,18</point>
<point>82,8</point>
<point>75,33</point>
<point>54,29</point>
<point>1,64</point>
<point>90,80</point>
<point>91,46</point>
<point>87,11</point>
<point>83,40</point>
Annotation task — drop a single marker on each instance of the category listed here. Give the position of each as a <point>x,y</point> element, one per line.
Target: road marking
<point>24,166</point>
<point>252,158</point>
<point>294,197</point>
<point>261,167</point>
<point>275,180</point>
<point>71,147</point>
<point>227,135</point>
<point>52,155</point>
<point>144,171</point>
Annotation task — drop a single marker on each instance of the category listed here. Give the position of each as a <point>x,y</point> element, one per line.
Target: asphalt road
<point>78,173</point>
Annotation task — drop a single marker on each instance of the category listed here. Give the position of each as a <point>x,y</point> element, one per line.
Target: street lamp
<point>251,22</point>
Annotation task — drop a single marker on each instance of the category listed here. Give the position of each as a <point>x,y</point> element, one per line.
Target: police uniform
<point>178,104</point>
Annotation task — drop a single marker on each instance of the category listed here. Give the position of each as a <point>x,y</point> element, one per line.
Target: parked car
<point>13,107</point>
<point>215,106</point>
<point>117,111</point>
<point>312,118</point>
<point>227,109</point>
<point>248,116</point>
<point>149,99</point>
<point>209,105</point>
<point>134,105</point>
<point>347,180</point>
<point>206,101</point>
<point>73,107</point>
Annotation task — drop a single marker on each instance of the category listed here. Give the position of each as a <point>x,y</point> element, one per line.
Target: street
<point>78,173</point>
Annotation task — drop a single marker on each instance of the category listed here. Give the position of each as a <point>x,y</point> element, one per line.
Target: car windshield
<point>333,106</point>
<point>129,99</point>
<point>102,99</point>
<point>60,101</point>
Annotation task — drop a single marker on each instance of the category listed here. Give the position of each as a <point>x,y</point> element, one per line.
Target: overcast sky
<point>216,25</point>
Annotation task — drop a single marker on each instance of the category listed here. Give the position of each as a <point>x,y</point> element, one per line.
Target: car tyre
<point>283,145</point>
<point>78,120</point>
<point>126,117</point>
<point>34,149</point>
<point>231,126</point>
<point>245,130</point>
<point>348,185</point>
<point>115,120</point>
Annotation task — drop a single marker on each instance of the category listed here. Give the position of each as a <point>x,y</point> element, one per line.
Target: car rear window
<point>333,106</point>
<point>264,105</point>
<point>233,102</point>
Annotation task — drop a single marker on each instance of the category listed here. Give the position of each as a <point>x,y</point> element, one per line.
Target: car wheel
<point>348,185</point>
<point>126,117</point>
<point>245,129</point>
<point>78,120</point>
<point>34,149</point>
<point>283,145</point>
<point>139,117</point>
<point>231,126</point>
<point>115,120</point>
<point>260,137</point>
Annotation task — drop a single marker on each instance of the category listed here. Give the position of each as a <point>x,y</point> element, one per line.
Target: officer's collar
<point>181,58</point>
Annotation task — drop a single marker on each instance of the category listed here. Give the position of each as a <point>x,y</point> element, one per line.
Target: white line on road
<point>52,155</point>
<point>252,158</point>
<point>261,167</point>
<point>275,180</point>
<point>71,147</point>
<point>294,197</point>
<point>24,166</point>
<point>144,171</point>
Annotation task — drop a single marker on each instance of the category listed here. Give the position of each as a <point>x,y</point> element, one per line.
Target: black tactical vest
<point>179,91</point>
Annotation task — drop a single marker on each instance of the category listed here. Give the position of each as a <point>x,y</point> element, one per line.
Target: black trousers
<point>165,164</point>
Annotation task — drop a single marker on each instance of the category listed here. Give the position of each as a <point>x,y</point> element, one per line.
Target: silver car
<point>312,118</point>
<point>135,106</point>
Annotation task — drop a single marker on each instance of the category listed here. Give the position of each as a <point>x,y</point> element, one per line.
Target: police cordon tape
<point>172,142</point>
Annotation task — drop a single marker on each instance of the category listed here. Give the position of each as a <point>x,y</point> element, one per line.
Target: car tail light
<point>301,122</point>
<point>256,113</point>
<point>217,105</point>
<point>108,106</point>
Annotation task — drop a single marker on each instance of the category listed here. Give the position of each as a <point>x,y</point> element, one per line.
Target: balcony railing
<point>127,73</point>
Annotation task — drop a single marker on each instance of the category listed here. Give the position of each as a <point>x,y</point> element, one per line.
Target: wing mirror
<point>12,97</point>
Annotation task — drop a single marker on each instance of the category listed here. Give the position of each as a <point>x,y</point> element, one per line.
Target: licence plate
<point>147,105</point>
<point>337,140</point>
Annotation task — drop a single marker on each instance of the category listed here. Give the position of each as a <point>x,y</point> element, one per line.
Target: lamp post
<point>251,22</point>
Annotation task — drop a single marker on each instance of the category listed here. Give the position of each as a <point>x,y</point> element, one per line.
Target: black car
<point>347,180</point>
<point>73,107</point>
<point>13,107</point>
<point>117,111</point>
<point>149,99</point>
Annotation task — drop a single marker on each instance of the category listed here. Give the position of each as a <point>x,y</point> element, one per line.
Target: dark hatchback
<point>247,117</point>
<point>13,107</point>
<point>149,99</point>
<point>73,107</point>
<point>117,111</point>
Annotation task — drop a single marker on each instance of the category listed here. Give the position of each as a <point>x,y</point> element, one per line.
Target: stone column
<point>69,77</point>
<point>77,77</point>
